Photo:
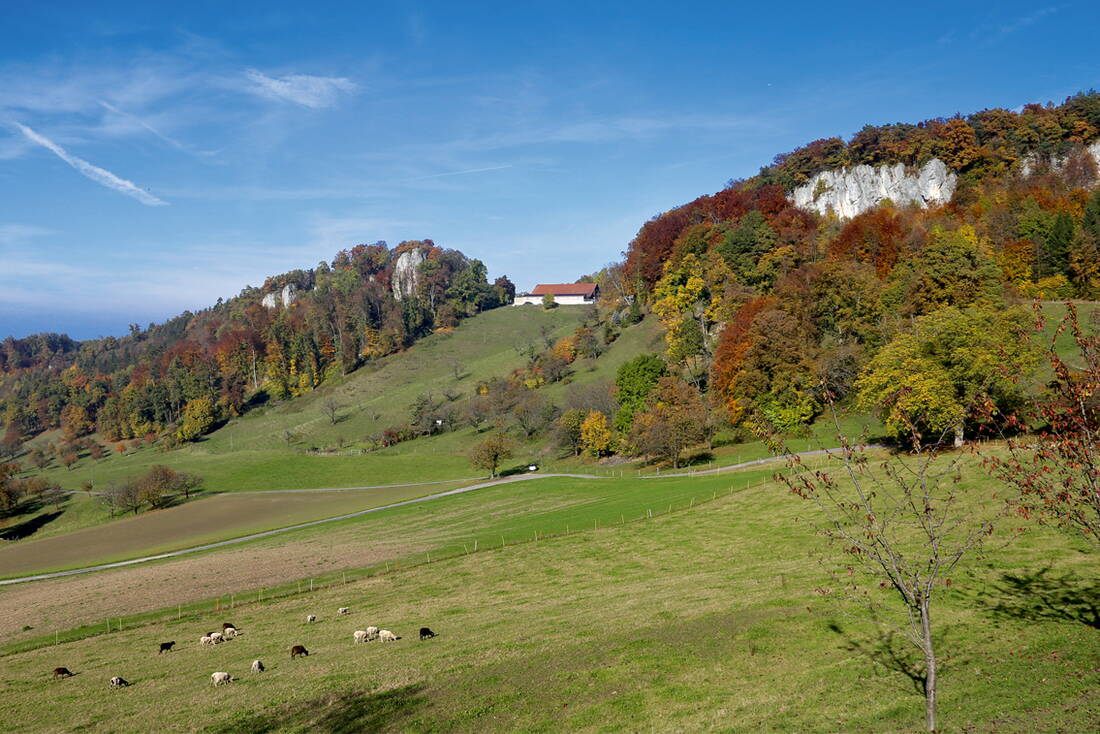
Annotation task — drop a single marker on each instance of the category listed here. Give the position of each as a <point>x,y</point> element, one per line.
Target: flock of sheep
<point>229,631</point>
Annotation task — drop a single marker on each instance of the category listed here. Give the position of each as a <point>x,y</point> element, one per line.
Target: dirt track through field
<point>73,543</point>
<point>63,603</point>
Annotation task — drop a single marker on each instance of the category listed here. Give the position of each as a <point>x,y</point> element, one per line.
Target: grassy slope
<point>502,515</point>
<point>216,518</point>
<point>248,454</point>
<point>705,619</point>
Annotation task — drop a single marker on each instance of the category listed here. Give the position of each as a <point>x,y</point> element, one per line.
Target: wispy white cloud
<point>101,176</point>
<point>1015,24</point>
<point>461,173</point>
<point>18,234</point>
<point>154,131</point>
<point>315,92</point>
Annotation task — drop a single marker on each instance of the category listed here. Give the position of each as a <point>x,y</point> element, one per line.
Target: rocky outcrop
<point>285,297</point>
<point>406,273</point>
<point>851,191</point>
<point>1028,164</point>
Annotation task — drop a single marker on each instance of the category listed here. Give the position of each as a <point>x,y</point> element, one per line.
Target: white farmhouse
<point>565,294</point>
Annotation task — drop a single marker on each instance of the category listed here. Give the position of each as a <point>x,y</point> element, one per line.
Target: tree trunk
<point>959,435</point>
<point>929,663</point>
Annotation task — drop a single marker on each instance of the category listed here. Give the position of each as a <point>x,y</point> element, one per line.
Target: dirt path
<point>426,498</point>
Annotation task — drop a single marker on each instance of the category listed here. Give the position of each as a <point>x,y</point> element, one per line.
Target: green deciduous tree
<point>935,378</point>
<point>198,418</point>
<point>951,270</point>
<point>633,383</point>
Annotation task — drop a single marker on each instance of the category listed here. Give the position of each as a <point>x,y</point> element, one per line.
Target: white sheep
<point>386,636</point>
<point>221,678</point>
<point>217,637</point>
<point>206,640</point>
<point>360,636</point>
<point>343,610</point>
<point>372,633</point>
<point>257,666</point>
<point>229,633</point>
<point>311,618</point>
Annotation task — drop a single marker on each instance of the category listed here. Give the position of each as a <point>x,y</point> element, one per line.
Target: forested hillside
<point>769,311</point>
<point>912,311</point>
<point>177,380</point>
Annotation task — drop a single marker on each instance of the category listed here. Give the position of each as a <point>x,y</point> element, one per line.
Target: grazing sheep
<point>343,610</point>
<point>230,632</point>
<point>359,636</point>
<point>217,637</point>
<point>372,633</point>
<point>257,666</point>
<point>386,636</point>
<point>117,682</point>
<point>298,650</point>
<point>166,646</point>
<point>426,633</point>
<point>227,625</point>
<point>311,618</point>
<point>62,673</point>
<point>221,678</point>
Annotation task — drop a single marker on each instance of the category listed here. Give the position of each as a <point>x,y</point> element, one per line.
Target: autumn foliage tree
<point>1056,472</point>
<point>674,420</point>
<point>596,434</point>
<point>489,454</point>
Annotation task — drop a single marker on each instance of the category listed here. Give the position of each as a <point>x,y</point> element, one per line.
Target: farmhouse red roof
<point>564,289</point>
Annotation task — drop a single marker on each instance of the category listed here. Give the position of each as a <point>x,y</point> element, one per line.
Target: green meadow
<point>709,617</point>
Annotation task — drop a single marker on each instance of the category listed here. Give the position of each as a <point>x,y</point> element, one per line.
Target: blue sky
<point>153,159</point>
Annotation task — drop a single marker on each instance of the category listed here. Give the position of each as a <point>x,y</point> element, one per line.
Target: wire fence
<point>204,609</point>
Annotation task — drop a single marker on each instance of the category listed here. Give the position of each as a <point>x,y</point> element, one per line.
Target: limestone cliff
<point>851,191</point>
<point>406,273</point>
<point>285,297</point>
<point>1027,165</point>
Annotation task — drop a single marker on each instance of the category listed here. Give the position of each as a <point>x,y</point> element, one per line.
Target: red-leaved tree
<point>1056,471</point>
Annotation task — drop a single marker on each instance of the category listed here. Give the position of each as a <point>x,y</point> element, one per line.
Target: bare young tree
<point>331,408</point>
<point>902,524</point>
<point>127,495</point>
<point>458,370</point>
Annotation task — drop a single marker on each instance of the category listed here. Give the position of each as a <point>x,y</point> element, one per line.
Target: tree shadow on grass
<point>891,651</point>
<point>28,528</point>
<point>349,712</point>
<point>1043,596</point>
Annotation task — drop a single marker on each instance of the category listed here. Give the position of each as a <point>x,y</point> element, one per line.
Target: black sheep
<point>426,633</point>
<point>166,646</point>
